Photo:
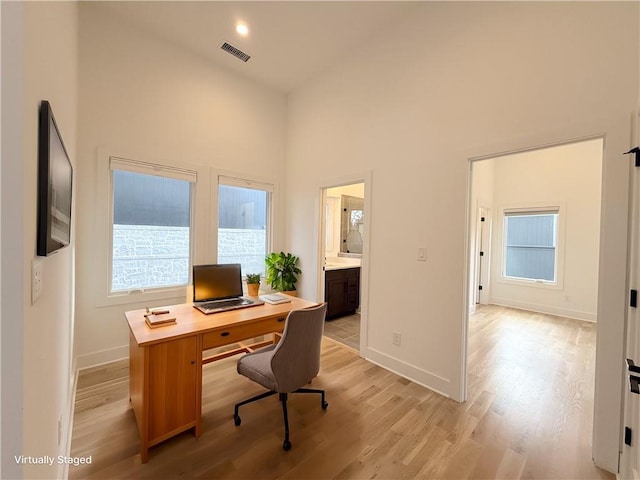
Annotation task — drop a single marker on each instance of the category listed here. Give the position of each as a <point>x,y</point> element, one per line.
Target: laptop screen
<point>216,282</point>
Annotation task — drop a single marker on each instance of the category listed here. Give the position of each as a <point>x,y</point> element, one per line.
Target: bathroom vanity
<point>341,290</point>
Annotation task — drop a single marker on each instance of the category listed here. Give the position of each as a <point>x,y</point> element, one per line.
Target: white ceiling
<point>289,42</point>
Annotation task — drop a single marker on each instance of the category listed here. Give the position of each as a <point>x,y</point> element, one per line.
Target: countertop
<point>341,263</point>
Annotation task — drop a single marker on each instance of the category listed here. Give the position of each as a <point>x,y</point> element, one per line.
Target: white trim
<point>426,379</point>
<point>71,410</point>
<point>146,168</point>
<point>531,211</point>
<point>105,160</point>
<point>168,296</point>
<point>541,308</point>
<point>534,208</point>
<point>243,182</point>
<point>234,179</point>
<point>508,150</point>
<point>101,357</point>
<point>163,171</point>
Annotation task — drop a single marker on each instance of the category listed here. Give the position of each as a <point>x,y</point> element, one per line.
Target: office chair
<point>285,367</point>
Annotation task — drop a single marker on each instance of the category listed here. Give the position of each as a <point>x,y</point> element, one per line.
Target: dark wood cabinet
<point>342,291</point>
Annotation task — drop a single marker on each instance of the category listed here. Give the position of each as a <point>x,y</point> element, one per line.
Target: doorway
<point>538,249</point>
<point>342,249</point>
<point>539,244</point>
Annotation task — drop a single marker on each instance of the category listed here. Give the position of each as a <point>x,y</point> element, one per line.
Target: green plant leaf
<point>282,271</point>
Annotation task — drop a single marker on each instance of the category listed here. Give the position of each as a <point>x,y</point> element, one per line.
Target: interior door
<point>630,459</point>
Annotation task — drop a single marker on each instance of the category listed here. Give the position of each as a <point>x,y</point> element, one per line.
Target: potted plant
<point>253,284</point>
<point>282,272</point>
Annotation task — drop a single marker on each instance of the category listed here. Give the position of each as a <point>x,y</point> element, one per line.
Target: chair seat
<point>257,367</point>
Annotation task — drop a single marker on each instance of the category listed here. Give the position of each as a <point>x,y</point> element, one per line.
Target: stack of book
<point>275,298</point>
<point>159,318</point>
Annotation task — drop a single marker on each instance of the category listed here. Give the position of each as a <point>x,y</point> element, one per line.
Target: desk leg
<point>138,392</point>
<point>144,454</point>
<point>198,427</point>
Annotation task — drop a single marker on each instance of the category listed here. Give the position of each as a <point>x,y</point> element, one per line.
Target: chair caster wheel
<point>286,445</point>
<point>324,405</point>
<point>237,420</point>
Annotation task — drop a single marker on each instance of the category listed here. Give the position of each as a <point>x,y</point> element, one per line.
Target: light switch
<point>36,280</point>
<point>422,254</point>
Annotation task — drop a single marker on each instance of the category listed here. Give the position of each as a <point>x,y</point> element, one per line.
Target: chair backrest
<point>296,358</point>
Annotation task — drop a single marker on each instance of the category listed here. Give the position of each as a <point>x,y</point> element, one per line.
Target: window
<point>244,212</point>
<point>151,228</point>
<point>530,246</point>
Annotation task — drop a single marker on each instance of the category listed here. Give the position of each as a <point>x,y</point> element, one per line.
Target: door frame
<point>324,184</point>
<point>598,453</point>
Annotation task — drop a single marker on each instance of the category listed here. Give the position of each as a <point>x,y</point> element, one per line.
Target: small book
<point>275,298</point>
<point>154,321</point>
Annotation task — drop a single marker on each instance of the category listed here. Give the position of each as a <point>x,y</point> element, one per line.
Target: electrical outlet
<point>396,338</point>
<point>36,280</point>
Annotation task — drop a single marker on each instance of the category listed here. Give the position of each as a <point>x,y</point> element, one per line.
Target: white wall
<point>39,336</point>
<point>453,82</point>
<point>12,187</point>
<point>149,100</point>
<point>568,176</point>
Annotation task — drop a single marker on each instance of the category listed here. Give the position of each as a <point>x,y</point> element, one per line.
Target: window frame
<point>143,168</point>
<point>251,182</point>
<point>104,226</point>
<point>535,209</point>
<point>204,226</point>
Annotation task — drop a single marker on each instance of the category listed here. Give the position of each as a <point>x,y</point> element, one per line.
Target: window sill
<point>522,282</point>
<point>169,294</point>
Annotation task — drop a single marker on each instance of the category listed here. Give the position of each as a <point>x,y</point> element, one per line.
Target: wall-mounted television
<point>55,176</point>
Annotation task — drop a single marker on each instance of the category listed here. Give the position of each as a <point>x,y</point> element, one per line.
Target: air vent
<point>235,52</point>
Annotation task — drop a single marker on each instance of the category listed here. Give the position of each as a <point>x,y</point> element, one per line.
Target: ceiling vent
<point>235,52</point>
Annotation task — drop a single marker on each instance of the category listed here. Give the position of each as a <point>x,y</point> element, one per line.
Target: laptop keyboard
<point>225,303</point>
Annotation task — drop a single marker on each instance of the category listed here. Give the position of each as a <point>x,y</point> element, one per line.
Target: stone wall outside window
<point>156,256</point>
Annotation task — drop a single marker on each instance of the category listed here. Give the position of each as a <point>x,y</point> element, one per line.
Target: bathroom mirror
<point>351,224</point>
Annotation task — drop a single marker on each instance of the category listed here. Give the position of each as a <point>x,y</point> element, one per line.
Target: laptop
<point>218,288</point>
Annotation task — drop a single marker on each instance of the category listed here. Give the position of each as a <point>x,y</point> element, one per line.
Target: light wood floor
<point>529,415</point>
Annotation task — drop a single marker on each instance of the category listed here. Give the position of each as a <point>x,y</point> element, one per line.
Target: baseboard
<point>70,416</point>
<point>99,358</point>
<point>417,375</point>
<point>548,309</point>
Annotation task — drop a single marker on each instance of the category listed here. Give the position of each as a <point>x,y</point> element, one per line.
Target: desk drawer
<point>239,332</point>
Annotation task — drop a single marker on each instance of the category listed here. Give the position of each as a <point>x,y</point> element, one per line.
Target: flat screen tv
<point>55,176</point>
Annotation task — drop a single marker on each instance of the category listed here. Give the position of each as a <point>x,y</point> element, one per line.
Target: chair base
<point>286,445</point>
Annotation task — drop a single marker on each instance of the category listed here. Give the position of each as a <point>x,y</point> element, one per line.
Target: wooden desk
<point>165,384</point>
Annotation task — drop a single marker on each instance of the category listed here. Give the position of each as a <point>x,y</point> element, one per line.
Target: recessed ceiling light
<point>242,29</point>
